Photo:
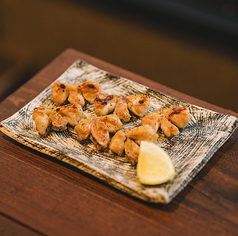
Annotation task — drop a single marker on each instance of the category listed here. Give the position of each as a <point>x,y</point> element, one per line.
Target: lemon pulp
<point>154,164</point>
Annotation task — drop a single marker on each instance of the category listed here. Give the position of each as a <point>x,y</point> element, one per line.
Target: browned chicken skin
<point>72,112</point>
<point>142,133</point>
<point>41,116</point>
<point>83,129</point>
<point>59,117</point>
<point>75,93</point>
<point>100,133</point>
<point>167,120</point>
<point>130,139</point>
<point>104,104</point>
<point>168,128</point>
<point>89,90</point>
<point>99,128</point>
<point>59,123</point>
<point>179,116</point>
<point>60,93</point>
<point>152,119</point>
<point>117,143</point>
<point>132,151</point>
<point>138,104</point>
<point>112,122</point>
<point>121,110</point>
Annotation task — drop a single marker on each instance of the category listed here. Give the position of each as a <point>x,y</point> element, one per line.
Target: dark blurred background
<point>190,46</point>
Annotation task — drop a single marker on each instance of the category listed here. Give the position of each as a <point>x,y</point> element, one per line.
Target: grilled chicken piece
<point>83,129</point>
<point>60,93</point>
<point>41,116</point>
<point>121,110</point>
<point>75,96</point>
<point>89,90</point>
<point>104,104</point>
<point>142,133</point>
<point>75,93</point>
<point>138,104</point>
<point>112,122</point>
<point>117,143</point>
<point>168,128</point>
<point>72,112</point>
<point>152,119</point>
<point>132,151</point>
<point>179,116</point>
<point>100,133</point>
<point>68,114</point>
<point>59,123</point>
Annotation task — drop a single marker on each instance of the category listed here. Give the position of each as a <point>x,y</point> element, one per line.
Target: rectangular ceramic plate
<point>206,132</point>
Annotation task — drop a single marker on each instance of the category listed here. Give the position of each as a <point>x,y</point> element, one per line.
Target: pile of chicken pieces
<point>71,113</point>
<point>112,111</point>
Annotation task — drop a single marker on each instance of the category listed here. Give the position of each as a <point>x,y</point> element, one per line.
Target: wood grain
<point>11,228</point>
<point>56,199</point>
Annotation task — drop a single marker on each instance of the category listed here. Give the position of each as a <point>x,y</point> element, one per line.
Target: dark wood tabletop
<point>41,195</point>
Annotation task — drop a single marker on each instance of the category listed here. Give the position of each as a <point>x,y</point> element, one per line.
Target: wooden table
<point>41,195</point>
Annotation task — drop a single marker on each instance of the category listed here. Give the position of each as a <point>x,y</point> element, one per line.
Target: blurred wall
<point>158,48</point>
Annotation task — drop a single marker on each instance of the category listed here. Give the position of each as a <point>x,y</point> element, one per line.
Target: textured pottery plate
<point>206,132</point>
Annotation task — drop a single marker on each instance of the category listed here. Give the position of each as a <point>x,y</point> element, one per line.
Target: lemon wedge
<point>154,165</point>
